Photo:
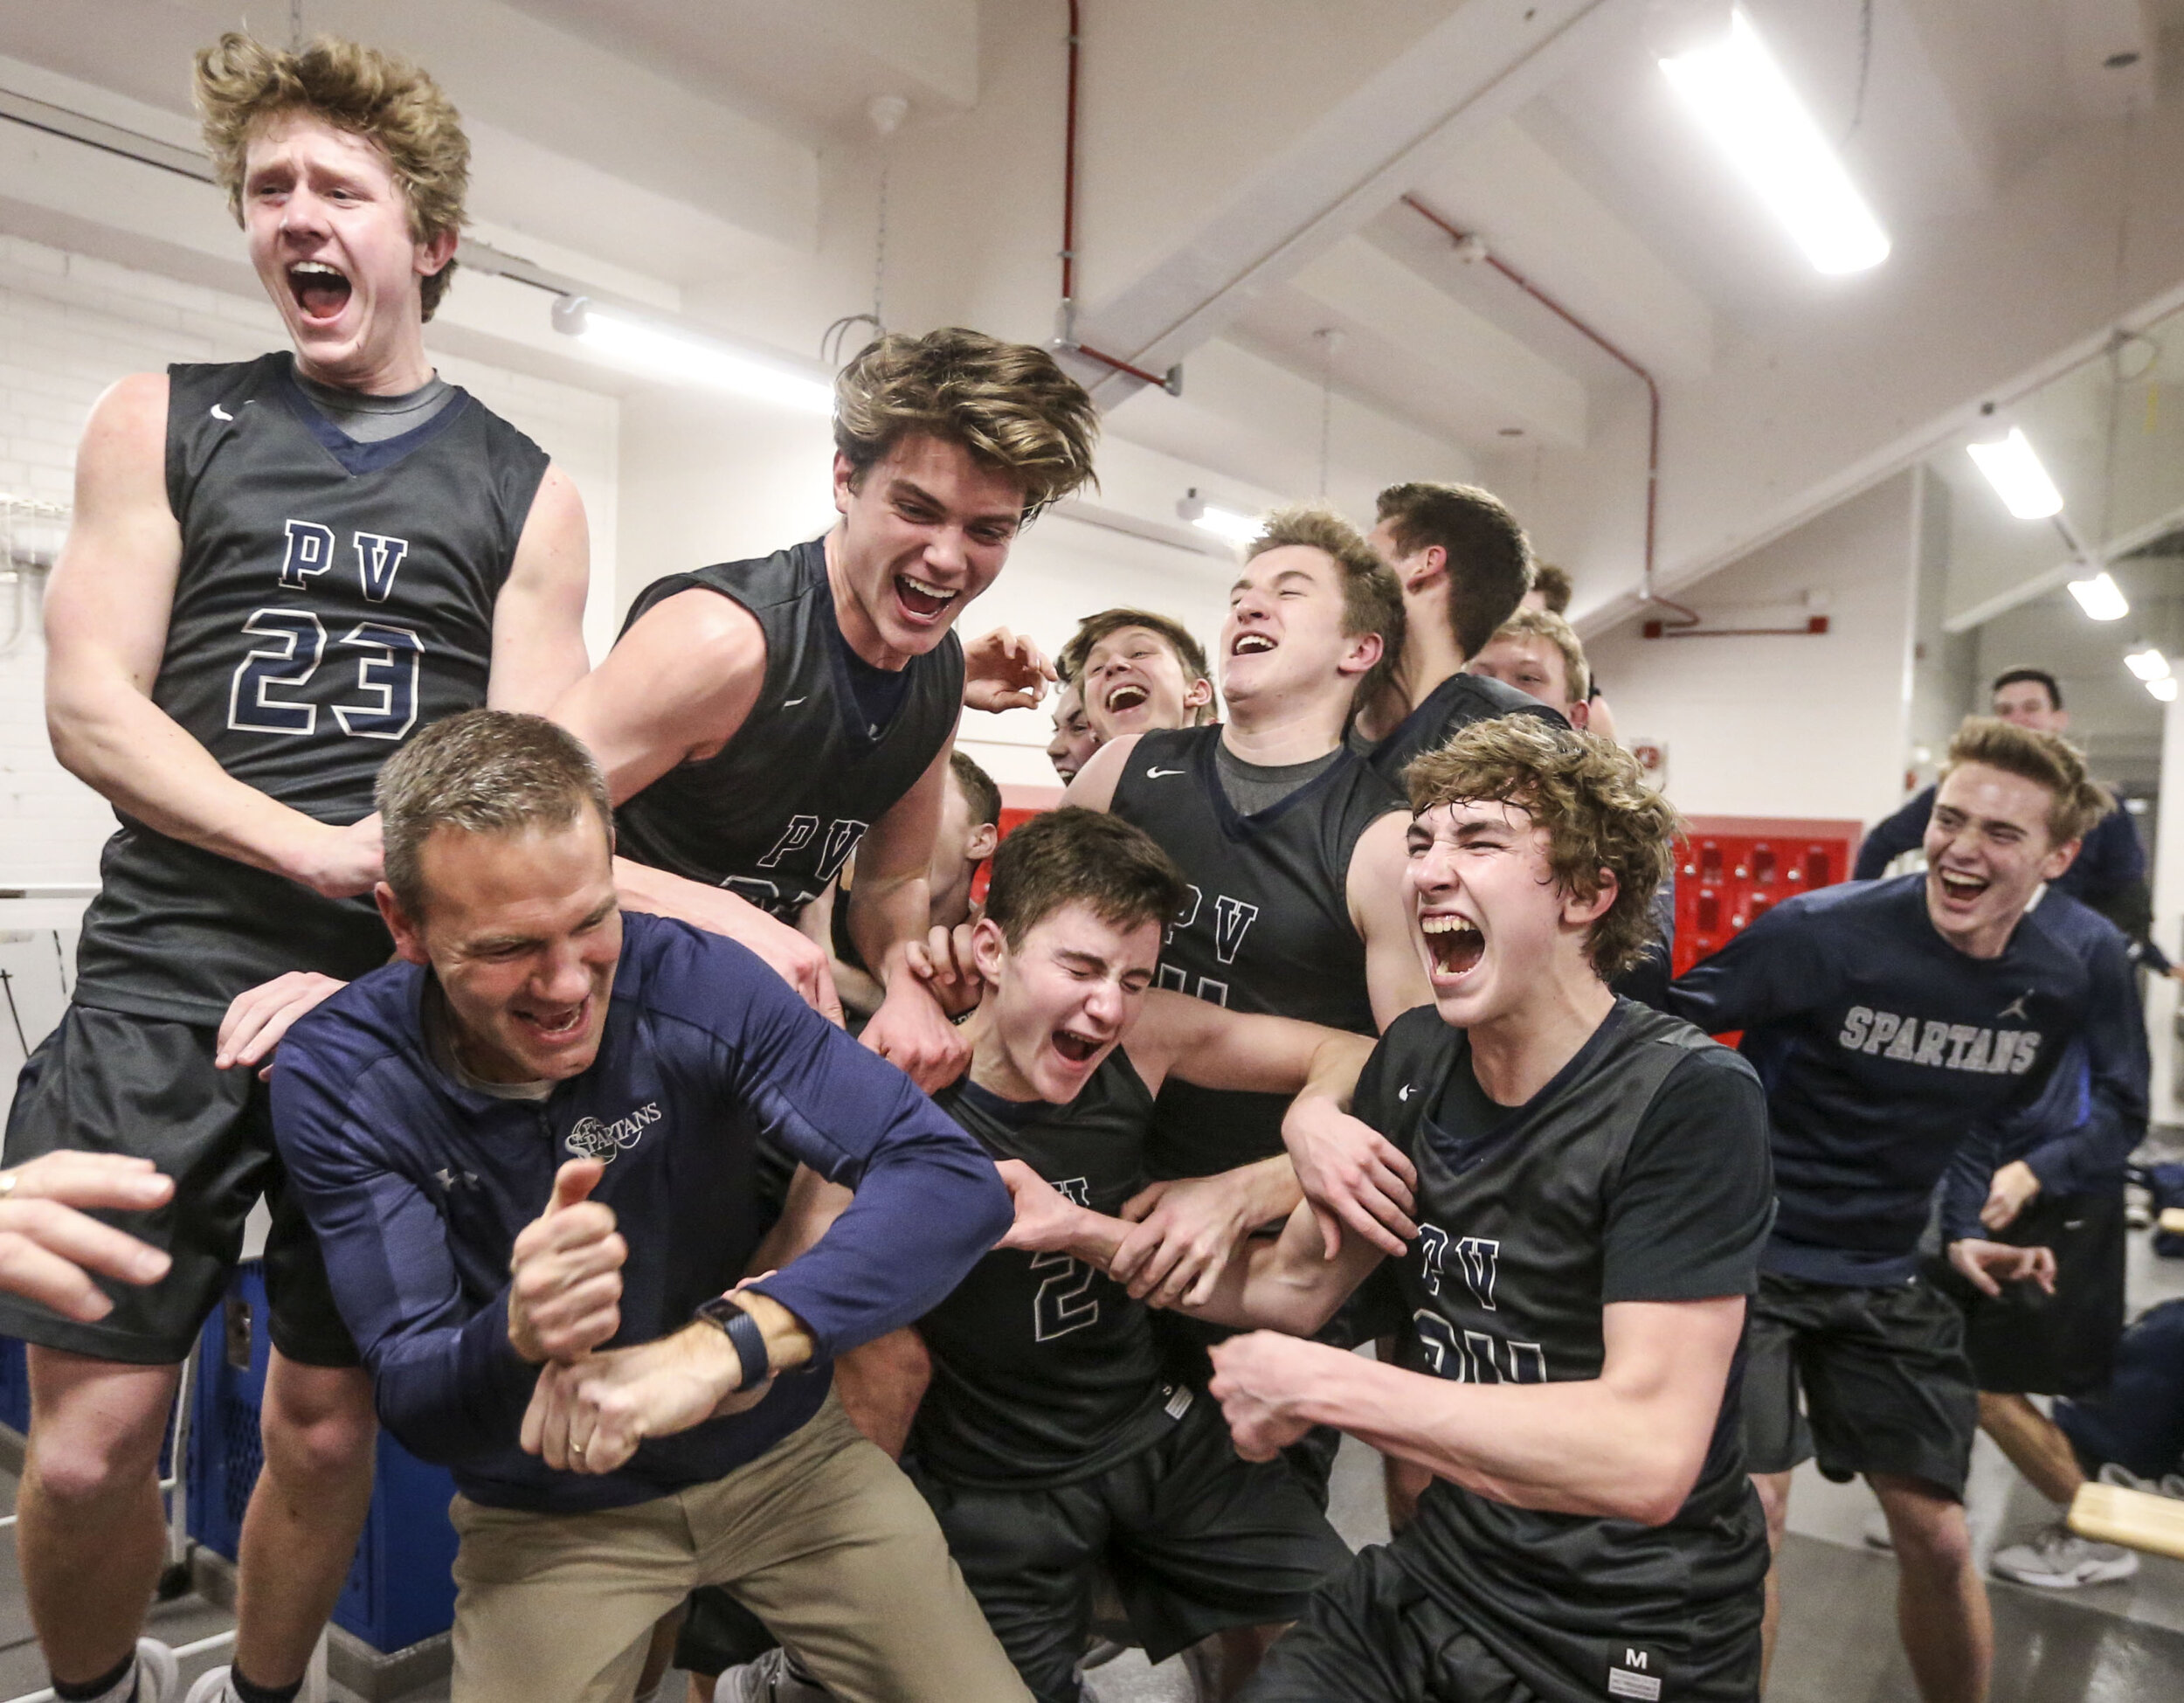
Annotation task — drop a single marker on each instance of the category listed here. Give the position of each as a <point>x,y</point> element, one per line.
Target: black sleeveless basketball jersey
<point>332,599</point>
<point>777,811</point>
<point>1448,710</point>
<point>1044,1369</point>
<point>1528,1227</point>
<point>1265,927</point>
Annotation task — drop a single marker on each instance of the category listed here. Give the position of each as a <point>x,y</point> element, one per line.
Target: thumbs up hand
<point>565,1296</point>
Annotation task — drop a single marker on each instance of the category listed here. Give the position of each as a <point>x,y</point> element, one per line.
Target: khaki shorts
<point>821,1536</point>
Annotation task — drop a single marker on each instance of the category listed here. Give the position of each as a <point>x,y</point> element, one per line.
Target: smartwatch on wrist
<point>744,1335</point>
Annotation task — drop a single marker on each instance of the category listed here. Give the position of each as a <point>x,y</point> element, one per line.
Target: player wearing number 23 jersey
<point>332,597</point>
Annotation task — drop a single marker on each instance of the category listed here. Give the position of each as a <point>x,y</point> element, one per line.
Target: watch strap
<point>744,1336</point>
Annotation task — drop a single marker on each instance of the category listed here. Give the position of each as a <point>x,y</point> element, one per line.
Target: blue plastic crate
<point>401,1587</point>
<point>15,1386</point>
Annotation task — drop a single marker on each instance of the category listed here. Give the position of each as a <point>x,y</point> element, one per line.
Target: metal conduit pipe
<point>1470,240</point>
<point>1065,334</point>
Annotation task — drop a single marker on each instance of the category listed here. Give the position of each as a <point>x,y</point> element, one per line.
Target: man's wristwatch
<point>744,1335</point>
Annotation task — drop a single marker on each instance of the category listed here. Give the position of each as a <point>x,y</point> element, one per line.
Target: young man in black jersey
<point>759,720</point>
<point>1138,672</point>
<point>1291,845</point>
<point>1074,742</point>
<point>969,827</point>
<point>1894,1023</point>
<point>1050,1442</point>
<point>278,571</point>
<point>1588,1190</point>
<point>1463,562</point>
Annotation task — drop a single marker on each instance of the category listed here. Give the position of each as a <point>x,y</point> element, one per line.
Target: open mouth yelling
<point>926,602</point>
<point>1251,644</point>
<point>1128,696</point>
<point>1960,889</point>
<point>1075,1049</point>
<point>1455,942</point>
<point>320,289</point>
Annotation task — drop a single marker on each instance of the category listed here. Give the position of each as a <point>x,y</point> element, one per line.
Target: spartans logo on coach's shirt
<point>589,1138</point>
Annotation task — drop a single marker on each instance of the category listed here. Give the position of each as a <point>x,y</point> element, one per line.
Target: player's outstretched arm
<point>1380,911</point>
<point>538,650</point>
<point>1284,1282</point>
<point>107,610</point>
<point>890,917</point>
<point>1628,1445</point>
<point>1184,1230</point>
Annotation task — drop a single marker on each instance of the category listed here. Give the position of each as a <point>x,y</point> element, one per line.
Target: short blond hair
<point>242,86</point>
<point>1590,796</point>
<point>1543,624</point>
<point>1372,596</point>
<point>2046,759</point>
<point>1008,404</point>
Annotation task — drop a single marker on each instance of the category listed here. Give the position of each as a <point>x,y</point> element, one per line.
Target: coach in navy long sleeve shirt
<point>417,1185</point>
<point>1883,1048</point>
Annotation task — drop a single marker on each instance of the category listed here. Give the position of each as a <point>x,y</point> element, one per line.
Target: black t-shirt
<point>824,753</point>
<point>1639,1173</point>
<point>333,597</point>
<point>1447,710</point>
<point>1044,1369</point>
<point>1265,927</point>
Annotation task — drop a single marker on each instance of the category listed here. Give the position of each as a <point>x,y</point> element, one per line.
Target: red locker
<point>1729,869</point>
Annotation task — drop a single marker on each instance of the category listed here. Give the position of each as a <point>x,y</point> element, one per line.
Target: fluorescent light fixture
<point>1745,102</point>
<point>2163,688</point>
<point>687,359</point>
<point>2013,467</point>
<point>2100,598</point>
<point>1228,524</point>
<point>2148,664</point>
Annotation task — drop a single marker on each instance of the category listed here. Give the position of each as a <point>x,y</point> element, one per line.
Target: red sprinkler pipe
<point>1646,594</point>
<point>1171,381</point>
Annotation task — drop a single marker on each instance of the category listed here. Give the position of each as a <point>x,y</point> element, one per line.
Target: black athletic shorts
<point>1196,1539</point>
<point>1886,1385</point>
<point>111,1082</point>
<point>2027,1342</point>
<point>1379,1635</point>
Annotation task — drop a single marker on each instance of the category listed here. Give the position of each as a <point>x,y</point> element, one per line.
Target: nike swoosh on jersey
<point>1404,1092</point>
<point>1156,775</point>
<point>219,413</point>
<point>790,704</point>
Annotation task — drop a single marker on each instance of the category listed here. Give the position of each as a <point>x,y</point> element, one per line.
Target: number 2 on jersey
<point>1061,1305</point>
<point>386,676</point>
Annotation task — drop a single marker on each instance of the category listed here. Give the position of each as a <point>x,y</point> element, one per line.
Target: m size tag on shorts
<point>1636,1670</point>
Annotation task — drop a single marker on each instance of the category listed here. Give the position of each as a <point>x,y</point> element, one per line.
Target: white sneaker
<point>1878,1536</point>
<point>2058,1560</point>
<point>158,1671</point>
<point>769,1679</point>
<point>211,1687</point>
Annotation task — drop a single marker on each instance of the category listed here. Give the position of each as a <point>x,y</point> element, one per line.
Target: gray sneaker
<point>2058,1560</point>
<point>773,1678</point>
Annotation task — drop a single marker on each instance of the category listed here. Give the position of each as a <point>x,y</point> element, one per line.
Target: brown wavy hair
<point>1372,596</point>
<point>242,86</point>
<point>1008,404</point>
<point>2046,759</point>
<point>1591,797</point>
